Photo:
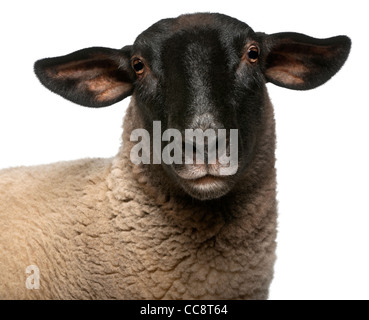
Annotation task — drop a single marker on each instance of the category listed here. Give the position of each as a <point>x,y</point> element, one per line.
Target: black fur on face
<point>199,71</point>
<point>203,81</point>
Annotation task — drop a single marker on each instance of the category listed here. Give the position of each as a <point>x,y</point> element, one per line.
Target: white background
<point>323,155</point>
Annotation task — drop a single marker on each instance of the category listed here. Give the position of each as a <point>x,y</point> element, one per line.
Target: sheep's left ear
<point>93,77</point>
<point>300,62</point>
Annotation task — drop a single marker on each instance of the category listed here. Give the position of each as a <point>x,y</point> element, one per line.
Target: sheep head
<point>199,71</point>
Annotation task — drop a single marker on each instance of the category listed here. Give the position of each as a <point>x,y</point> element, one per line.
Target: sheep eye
<point>253,53</point>
<point>138,66</point>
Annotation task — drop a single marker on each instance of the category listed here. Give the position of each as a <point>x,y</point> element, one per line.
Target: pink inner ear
<point>83,69</point>
<point>72,70</point>
<point>114,92</point>
<point>287,66</point>
<point>104,86</point>
<point>287,75</point>
<point>89,74</point>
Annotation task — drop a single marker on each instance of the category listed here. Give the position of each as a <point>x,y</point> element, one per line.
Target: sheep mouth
<point>206,181</point>
<point>208,178</point>
<point>202,185</point>
<point>207,188</point>
<point>199,176</point>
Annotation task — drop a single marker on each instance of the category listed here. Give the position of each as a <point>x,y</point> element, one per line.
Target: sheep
<point>115,229</point>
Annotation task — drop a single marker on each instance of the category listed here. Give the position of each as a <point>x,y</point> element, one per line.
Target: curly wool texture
<point>107,229</point>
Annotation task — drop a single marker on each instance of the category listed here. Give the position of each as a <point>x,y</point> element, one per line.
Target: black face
<point>201,78</point>
<point>201,71</point>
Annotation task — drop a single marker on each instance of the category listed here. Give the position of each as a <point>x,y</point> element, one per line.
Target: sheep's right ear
<point>94,77</point>
<point>297,61</point>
